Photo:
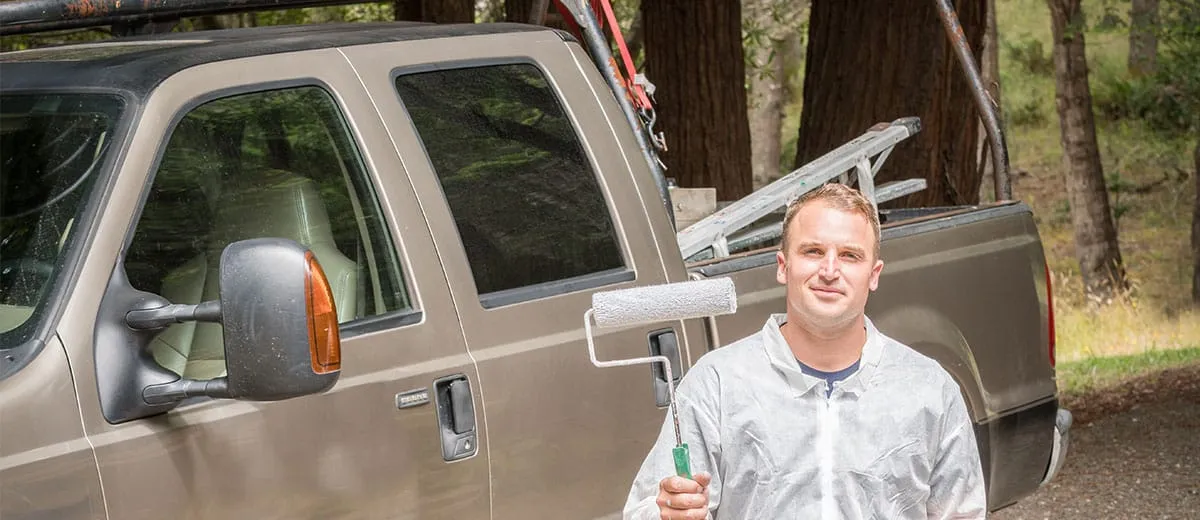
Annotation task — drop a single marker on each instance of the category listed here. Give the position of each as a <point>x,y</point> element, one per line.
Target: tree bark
<point>989,67</point>
<point>1196,228</point>
<point>448,11</point>
<point>766,118</point>
<point>1143,42</point>
<point>407,10</point>
<point>694,57</point>
<point>1096,244</point>
<point>518,10</point>
<point>879,60</point>
<point>435,11</point>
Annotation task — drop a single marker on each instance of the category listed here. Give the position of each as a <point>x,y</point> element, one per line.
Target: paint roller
<point>656,303</point>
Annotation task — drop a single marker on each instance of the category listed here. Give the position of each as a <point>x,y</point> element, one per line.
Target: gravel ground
<point>1135,453</point>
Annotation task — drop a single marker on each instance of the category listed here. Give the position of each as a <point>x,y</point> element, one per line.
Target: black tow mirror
<point>281,330</point>
<point>279,324</point>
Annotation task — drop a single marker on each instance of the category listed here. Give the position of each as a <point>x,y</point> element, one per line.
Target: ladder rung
<point>896,189</point>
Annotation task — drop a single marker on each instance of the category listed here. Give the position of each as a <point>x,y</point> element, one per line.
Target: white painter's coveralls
<point>893,441</point>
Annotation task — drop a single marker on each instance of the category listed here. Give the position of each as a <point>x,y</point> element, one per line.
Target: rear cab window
<point>526,201</point>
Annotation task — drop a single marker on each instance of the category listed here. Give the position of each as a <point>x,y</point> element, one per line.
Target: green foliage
<point>1030,55</point>
<point>1169,100</point>
<point>24,42</point>
<point>1028,112</point>
<point>766,24</point>
<point>1160,100</point>
<point>1179,72</point>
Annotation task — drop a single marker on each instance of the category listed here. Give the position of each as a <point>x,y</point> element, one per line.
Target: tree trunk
<point>879,60</point>
<point>518,10</point>
<point>1143,42</point>
<point>694,57</point>
<point>989,68</point>
<point>1196,228</point>
<point>1095,235</point>
<point>407,10</point>
<point>765,77</point>
<point>766,118</point>
<point>435,11</point>
<point>448,11</point>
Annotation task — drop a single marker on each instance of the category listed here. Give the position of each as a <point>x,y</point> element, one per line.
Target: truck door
<point>287,146</point>
<point>533,209</point>
<point>46,465</point>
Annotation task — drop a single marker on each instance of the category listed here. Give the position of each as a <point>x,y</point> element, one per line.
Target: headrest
<point>272,204</point>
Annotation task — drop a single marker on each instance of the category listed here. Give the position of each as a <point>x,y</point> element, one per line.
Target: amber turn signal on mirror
<point>323,339</point>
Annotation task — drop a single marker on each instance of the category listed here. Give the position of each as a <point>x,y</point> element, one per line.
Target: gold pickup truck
<point>339,271</point>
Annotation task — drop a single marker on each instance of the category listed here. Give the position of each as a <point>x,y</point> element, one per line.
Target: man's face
<point>829,266</point>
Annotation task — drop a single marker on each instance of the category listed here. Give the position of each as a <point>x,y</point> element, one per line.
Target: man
<point>818,415</point>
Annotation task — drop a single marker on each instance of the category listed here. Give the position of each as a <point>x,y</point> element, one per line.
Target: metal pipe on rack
<point>602,55</point>
<point>987,111</point>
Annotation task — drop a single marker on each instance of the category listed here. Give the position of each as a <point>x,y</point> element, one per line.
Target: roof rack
<point>34,16</point>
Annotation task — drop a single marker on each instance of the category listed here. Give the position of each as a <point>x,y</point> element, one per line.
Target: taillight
<point>323,341</point>
<point>1050,314</point>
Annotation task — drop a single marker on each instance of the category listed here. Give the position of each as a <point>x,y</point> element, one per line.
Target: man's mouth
<point>825,290</point>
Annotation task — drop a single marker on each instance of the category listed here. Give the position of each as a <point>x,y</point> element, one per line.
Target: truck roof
<point>138,64</point>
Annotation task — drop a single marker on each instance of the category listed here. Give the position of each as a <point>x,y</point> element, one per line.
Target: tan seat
<point>275,204</point>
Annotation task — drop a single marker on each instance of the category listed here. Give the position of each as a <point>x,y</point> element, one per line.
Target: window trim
<point>392,319</point>
<point>516,295</point>
<point>506,297</point>
<point>381,322</point>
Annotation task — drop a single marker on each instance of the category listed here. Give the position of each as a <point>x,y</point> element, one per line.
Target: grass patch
<point>1095,373</point>
<point>1121,329</point>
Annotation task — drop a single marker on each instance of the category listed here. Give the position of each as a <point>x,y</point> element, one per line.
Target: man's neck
<point>829,350</point>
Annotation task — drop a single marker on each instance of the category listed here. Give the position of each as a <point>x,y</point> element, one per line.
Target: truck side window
<point>526,202</point>
<point>279,163</point>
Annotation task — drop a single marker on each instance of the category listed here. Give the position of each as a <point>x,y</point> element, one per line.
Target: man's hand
<point>683,499</point>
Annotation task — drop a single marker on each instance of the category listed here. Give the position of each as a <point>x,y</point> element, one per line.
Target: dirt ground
<point>1135,453</point>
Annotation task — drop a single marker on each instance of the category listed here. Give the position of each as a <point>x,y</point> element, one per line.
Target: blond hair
<point>839,197</point>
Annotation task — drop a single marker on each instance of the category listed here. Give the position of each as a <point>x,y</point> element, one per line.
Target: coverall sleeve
<point>698,398</point>
<point>956,488</point>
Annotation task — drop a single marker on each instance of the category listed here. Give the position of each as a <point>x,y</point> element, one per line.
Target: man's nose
<point>829,265</point>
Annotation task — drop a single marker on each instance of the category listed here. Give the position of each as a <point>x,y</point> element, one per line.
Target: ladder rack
<point>722,231</point>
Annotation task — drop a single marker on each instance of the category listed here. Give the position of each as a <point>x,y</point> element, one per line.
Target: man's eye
<point>812,252</point>
<point>851,256</point>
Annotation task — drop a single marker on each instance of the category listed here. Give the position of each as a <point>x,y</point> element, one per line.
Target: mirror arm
<point>162,317</point>
<point>181,389</point>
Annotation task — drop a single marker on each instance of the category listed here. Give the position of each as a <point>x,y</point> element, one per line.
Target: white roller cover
<point>666,302</point>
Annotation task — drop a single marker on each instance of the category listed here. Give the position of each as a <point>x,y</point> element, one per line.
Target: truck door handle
<point>665,343</point>
<point>456,416</point>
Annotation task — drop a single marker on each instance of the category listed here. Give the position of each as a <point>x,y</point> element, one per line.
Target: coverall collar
<point>784,360</point>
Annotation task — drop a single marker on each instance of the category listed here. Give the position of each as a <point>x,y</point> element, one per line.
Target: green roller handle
<point>683,466</point>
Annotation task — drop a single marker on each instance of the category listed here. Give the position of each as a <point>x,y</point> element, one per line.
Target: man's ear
<point>875,274</point>
<point>780,268</point>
